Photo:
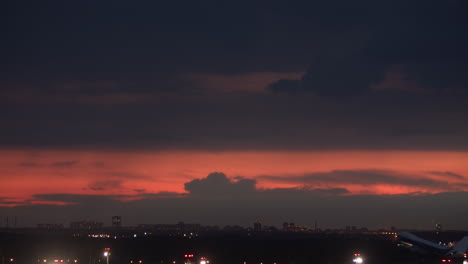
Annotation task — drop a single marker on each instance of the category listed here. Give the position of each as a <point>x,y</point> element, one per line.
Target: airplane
<point>426,247</point>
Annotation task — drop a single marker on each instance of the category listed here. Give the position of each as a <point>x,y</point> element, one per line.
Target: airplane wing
<point>461,247</point>
<point>422,245</point>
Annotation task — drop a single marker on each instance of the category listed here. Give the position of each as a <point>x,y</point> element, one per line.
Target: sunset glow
<point>130,173</point>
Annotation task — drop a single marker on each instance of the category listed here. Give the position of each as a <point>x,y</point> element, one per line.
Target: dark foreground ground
<point>34,248</point>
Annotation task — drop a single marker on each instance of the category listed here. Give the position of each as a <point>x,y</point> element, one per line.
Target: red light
<point>56,260</point>
<point>107,249</point>
<point>444,260</point>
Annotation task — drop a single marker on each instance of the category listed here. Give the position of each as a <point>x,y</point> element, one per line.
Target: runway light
<point>358,260</point>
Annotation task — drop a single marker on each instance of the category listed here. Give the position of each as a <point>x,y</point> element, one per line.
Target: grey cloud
<point>306,191</point>
<point>105,185</point>
<point>126,175</point>
<point>217,184</point>
<point>161,195</point>
<point>285,86</point>
<point>448,174</point>
<point>30,164</point>
<point>6,201</point>
<point>71,198</point>
<point>9,203</point>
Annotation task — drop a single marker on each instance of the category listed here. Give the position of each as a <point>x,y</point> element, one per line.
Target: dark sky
<point>308,107</point>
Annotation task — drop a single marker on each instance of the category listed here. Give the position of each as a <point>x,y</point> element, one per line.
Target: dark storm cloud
<point>379,75</point>
<point>239,122</point>
<point>422,39</point>
<point>272,206</point>
<point>370,177</point>
<point>336,74</point>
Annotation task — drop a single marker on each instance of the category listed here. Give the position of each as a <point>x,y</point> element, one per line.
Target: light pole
<point>107,254</point>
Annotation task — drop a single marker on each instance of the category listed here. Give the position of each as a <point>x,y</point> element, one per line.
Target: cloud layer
<point>374,178</point>
<point>235,202</point>
<point>386,75</point>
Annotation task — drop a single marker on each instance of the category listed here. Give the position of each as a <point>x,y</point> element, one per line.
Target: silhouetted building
<point>86,225</point>
<point>257,226</point>
<point>50,226</point>
<point>117,221</point>
<point>175,228</point>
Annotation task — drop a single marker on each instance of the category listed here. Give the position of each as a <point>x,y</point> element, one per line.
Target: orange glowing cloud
<point>27,172</point>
